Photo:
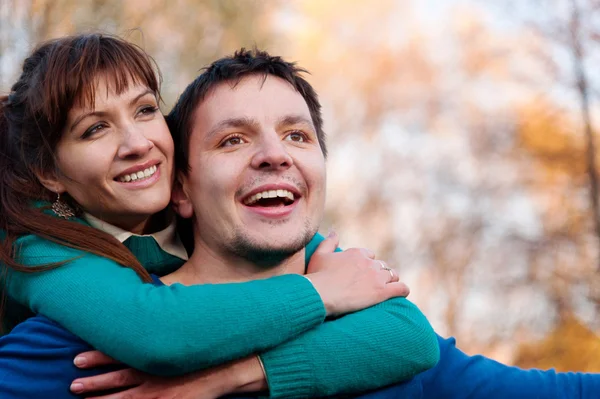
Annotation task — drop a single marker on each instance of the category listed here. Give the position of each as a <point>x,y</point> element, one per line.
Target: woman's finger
<point>389,274</point>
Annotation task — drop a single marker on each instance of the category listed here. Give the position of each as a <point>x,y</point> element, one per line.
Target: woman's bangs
<point>120,64</point>
<point>74,75</point>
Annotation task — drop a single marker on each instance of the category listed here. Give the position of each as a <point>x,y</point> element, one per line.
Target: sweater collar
<point>167,239</point>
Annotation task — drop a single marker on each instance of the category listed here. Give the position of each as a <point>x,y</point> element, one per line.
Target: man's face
<point>256,184</point>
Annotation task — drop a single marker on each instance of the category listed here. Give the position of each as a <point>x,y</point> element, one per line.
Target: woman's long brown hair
<point>56,76</point>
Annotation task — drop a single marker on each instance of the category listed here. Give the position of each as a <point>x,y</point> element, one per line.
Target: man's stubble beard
<point>265,256</point>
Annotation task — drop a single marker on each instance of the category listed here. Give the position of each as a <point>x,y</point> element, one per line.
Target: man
<point>250,126</point>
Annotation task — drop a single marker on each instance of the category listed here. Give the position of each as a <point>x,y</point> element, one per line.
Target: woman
<point>81,128</point>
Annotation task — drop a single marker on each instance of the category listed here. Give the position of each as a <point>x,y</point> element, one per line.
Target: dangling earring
<point>62,209</point>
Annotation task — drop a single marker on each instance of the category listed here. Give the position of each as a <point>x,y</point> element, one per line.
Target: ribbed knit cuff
<point>288,371</point>
<point>304,306</point>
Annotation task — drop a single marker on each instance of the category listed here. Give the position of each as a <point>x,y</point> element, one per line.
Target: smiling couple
<point>263,305</point>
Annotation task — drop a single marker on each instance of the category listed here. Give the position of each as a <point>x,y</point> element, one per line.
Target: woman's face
<point>116,159</point>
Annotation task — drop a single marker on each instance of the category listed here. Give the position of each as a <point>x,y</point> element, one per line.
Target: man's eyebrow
<point>232,123</point>
<point>295,120</point>
<point>101,113</point>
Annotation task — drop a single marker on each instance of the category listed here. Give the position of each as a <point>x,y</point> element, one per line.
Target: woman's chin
<point>150,207</point>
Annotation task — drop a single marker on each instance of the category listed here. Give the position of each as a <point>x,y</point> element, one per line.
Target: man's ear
<point>50,181</point>
<point>180,199</point>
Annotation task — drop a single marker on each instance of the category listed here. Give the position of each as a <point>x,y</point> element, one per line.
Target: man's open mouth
<point>270,199</point>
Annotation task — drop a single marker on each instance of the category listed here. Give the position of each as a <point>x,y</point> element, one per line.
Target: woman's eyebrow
<point>102,113</point>
<point>136,98</point>
<point>86,115</point>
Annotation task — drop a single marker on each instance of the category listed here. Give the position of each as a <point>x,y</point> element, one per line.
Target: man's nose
<point>272,154</point>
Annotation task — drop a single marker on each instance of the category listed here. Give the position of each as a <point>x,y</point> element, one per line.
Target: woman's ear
<point>50,181</point>
<point>180,199</point>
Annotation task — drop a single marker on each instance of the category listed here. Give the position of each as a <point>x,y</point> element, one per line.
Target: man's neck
<point>208,266</point>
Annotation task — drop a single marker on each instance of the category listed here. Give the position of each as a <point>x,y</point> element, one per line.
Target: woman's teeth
<point>269,194</point>
<point>142,174</point>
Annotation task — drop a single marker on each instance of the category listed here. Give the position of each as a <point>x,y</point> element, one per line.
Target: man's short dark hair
<point>232,69</point>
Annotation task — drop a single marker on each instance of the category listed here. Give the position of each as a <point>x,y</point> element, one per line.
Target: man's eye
<point>231,141</point>
<point>296,136</point>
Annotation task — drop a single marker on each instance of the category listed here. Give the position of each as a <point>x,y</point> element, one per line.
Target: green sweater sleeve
<point>369,349</point>
<point>165,330</point>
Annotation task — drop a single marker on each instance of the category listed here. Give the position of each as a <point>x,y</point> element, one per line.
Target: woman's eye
<point>296,136</point>
<point>235,140</point>
<point>148,110</point>
<point>97,128</point>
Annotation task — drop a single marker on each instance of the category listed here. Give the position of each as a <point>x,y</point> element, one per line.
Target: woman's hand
<point>351,280</point>
<point>245,375</point>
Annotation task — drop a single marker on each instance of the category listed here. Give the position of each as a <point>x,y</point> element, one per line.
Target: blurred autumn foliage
<point>562,348</point>
<point>461,133</point>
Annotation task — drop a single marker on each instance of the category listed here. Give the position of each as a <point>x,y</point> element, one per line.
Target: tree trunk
<point>583,91</point>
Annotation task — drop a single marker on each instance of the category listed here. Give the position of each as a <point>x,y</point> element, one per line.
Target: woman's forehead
<point>106,90</point>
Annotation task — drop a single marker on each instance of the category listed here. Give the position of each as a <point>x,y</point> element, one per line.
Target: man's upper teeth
<point>139,175</point>
<point>269,194</point>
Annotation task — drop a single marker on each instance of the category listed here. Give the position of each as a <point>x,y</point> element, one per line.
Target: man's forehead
<point>252,98</point>
<point>235,91</point>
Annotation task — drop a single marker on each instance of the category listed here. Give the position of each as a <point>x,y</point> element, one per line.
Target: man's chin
<point>270,251</point>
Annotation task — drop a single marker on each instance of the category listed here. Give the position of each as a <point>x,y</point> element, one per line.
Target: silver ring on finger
<point>384,267</point>
<point>392,276</point>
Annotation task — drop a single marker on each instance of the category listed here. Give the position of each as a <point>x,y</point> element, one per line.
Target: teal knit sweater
<point>177,329</point>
